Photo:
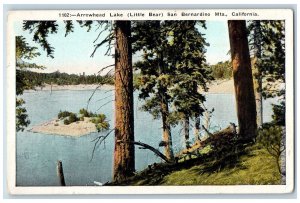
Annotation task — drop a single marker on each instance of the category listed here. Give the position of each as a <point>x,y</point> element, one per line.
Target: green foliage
<point>22,120</point>
<point>33,79</point>
<point>267,42</point>
<point>279,114</point>
<point>41,30</point>
<point>221,70</point>
<point>172,67</point>
<point>271,138</point>
<point>67,122</point>
<point>150,37</point>
<point>85,113</point>
<point>256,168</point>
<point>63,114</point>
<point>191,71</point>
<point>69,27</point>
<point>73,118</point>
<point>69,117</point>
<point>100,122</point>
<point>23,52</point>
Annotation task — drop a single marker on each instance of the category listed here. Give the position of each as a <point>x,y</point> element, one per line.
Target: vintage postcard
<point>150,101</point>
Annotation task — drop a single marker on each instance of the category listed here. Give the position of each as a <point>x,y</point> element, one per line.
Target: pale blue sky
<point>72,53</point>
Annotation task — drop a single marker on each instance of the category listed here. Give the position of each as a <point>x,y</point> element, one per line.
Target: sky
<point>72,53</point>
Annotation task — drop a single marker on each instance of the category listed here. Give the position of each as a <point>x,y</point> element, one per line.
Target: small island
<point>71,124</point>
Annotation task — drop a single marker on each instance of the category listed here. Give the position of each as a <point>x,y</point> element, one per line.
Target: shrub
<point>73,118</point>
<point>63,114</point>
<point>98,119</point>
<point>279,113</point>
<point>66,122</point>
<point>85,113</point>
<point>100,122</point>
<point>272,139</point>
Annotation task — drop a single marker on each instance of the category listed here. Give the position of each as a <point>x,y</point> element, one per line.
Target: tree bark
<point>257,73</point>
<point>124,127</point>
<point>155,151</point>
<point>197,126</point>
<point>167,137</point>
<point>243,81</point>
<point>186,122</point>
<point>257,80</point>
<point>206,120</point>
<point>197,117</point>
<point>164,108</point>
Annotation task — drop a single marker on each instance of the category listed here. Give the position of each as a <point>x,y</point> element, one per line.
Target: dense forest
<point>171,69</point>
<point>221,70</point>
<point>35,79</point>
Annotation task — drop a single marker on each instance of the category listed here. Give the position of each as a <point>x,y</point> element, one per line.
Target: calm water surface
<point>38,153</point>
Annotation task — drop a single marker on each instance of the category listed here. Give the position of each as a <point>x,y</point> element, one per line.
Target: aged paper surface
<point>61,37</point>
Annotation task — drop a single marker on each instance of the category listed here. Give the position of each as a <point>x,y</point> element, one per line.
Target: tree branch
<point>102,69</point>
<point>146,146</point>
<point>99,140</point>
<point>207,131</point>
<point>105,104</point>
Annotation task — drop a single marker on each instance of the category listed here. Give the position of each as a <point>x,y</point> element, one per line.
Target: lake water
<point>38,153</point>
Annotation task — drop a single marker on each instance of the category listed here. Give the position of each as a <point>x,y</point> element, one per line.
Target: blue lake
<point>38,153</point>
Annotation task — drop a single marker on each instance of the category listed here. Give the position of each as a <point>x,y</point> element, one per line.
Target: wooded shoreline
<point>216,87</point>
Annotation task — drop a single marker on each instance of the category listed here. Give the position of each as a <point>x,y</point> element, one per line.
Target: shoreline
<point>55,87</point>
<point>215,87</point>
<point>225,86</point>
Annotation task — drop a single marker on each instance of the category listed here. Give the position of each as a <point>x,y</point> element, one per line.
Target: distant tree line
<point>221,70</point>
<point>38,79</point>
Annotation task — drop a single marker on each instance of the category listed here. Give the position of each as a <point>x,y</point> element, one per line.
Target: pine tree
<point>256,43</point>
<point>243,81</point>
<point>267,42</point>
<point>187,52</point>
<point>151,38</point>
<point>24,53</point>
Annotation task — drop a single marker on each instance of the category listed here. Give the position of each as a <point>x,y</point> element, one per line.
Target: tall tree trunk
<point>197,117</point>
<point>186,127</point>
<point>164,108</point>
<point>124,126</point>
<point>167,137</point>
<point>243,81</point>
<point>257,72</point>
<point>197,126</point>
<point>206,121</point>
<point>257,80</point>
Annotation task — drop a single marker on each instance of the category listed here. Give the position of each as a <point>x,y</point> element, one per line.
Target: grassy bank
<point>254,166</point>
